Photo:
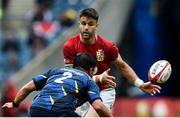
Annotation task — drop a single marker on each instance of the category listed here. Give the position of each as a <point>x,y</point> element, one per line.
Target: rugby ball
<point>159,72</point>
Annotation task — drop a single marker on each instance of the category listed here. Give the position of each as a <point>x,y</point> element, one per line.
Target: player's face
<point>87,27</point>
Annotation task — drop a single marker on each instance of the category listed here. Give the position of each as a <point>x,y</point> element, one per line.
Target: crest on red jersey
<point>100,55</point>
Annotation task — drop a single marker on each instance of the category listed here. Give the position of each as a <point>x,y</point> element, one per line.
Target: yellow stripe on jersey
<point>77,89</point>
<point>51,99</point>
<point>64,91</point>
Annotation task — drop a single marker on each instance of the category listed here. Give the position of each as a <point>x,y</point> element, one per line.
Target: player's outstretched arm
<point>100,108</point>
<point>21,95</point>
<point>129,73</point>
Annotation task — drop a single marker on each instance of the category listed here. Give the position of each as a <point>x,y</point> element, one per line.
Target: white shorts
<point>107,95</point>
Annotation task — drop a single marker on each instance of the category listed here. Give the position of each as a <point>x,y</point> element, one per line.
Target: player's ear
<point>97,24</point>
<point>94,70</point>
<point>91,71</point>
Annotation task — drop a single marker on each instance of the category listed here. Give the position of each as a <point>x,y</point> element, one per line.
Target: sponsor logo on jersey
<point>100,55</point>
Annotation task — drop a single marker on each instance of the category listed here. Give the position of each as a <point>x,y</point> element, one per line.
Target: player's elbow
<point>98,107</point>
<point>120,64</point>
<point>101,109</point>
<point>97,104</point>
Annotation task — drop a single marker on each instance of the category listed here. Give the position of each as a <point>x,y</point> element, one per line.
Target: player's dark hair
<point>85,61</point>
<point>90,13</point>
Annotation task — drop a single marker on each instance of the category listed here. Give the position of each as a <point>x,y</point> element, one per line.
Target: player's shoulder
<point>74,38</point>
<point>71,41</point>
<point>55,71</point>
<point>104,41</point>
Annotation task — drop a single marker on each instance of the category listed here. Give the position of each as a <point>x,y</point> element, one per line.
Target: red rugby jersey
<point>103,50</point>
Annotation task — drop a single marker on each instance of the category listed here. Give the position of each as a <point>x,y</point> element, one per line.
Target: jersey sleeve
<point>113,51</point>
<point>68,53</point>
<point>40,80</point>
<point>93,91</point>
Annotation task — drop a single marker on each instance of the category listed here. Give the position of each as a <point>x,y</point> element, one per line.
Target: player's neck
<point>90,41</point>
<point>80,68</point>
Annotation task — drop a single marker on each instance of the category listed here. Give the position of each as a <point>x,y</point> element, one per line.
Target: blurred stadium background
<point>32,34</point>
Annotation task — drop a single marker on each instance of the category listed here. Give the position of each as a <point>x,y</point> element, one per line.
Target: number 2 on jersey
<point>66,76</point>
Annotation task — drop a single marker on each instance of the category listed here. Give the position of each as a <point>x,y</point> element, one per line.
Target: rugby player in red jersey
<point>105,53</point>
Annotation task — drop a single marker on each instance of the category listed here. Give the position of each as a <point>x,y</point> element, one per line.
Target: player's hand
<point>107,79</point>
<point>8,105</point>
<point>150,88</point>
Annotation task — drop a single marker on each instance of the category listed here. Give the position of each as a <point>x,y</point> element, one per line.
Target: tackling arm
<point>21,95</point>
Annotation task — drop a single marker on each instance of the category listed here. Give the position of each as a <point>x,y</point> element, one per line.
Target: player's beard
<point>87,35</point>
